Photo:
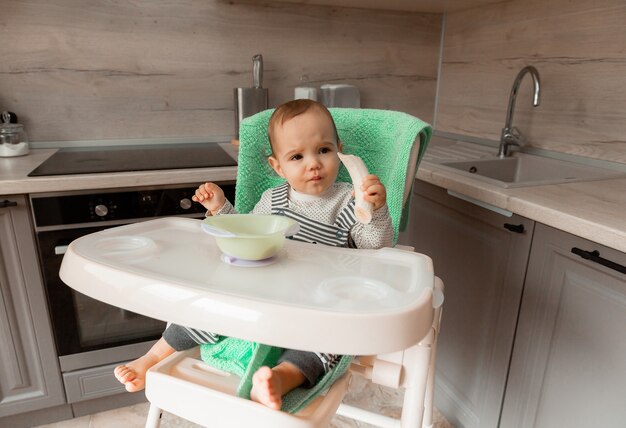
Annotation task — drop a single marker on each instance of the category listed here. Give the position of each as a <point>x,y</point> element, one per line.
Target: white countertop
<point>14,175</point>
<point>594,210</point>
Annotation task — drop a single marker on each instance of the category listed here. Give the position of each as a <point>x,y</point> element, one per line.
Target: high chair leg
<point>417,360</point>
<point>154,417</point>
<point>427,421</point>
<point>430,386</point>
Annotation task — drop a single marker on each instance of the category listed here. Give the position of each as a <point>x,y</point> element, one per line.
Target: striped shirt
<point>327,209</point>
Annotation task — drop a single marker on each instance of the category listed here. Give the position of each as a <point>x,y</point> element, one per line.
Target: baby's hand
<point>374,191</point>
<point>211,196</point>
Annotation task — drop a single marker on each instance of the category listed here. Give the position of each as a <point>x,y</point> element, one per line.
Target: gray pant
<point>311,364</point>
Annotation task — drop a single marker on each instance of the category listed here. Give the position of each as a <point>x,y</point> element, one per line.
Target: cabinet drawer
<point>87,384</point>
<point>30,378</point>
<point>569,362</point>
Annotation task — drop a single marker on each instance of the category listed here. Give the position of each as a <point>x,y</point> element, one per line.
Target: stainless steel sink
<point>523,169</point>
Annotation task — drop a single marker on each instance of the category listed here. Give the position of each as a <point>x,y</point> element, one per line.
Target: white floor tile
<point>132,416</point>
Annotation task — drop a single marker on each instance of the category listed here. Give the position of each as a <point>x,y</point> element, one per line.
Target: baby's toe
<point>134,385</point>
<point>125,374</point>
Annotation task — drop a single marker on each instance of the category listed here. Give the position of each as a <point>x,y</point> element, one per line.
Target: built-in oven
<point>91,336</point>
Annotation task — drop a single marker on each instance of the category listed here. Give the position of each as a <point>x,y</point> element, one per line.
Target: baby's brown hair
<point>291,109</point>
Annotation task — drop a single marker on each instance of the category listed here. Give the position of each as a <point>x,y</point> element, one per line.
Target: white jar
<point>305,93</point>
<point>13,140</point>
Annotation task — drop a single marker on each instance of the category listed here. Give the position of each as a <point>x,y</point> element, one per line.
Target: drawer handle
<point>60,249</point>
<point>517,228</point>
<point>6,203</point>
<point>594,256</point>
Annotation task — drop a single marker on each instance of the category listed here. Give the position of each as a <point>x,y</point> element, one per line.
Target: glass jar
<point>13,140</point>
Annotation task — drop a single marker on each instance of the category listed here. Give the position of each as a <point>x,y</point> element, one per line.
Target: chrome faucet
<point>511,136</point>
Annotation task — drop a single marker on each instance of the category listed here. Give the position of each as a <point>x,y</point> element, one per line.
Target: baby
<point>304,144</point>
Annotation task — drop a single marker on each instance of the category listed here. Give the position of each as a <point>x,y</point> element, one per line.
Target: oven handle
<point>6,203</point>
<point>60,249</point>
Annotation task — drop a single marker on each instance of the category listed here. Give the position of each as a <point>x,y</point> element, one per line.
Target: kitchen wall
<point>114,69</point>
<point>579,48</point>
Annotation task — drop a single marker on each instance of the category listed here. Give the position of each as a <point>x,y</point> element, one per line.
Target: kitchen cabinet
<point>30,378</point>
<point>568,367</point>
<point>482,265</point>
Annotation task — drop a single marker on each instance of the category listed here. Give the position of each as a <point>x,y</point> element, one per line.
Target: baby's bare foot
<point>267,388</point>
<point>133,374</point>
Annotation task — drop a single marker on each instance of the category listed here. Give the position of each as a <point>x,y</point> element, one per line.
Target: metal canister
<point>249,101</point>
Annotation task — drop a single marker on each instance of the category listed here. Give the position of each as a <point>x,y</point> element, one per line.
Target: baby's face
<point>305,152</point>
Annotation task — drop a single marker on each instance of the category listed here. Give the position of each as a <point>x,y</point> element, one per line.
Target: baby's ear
<point>340,147</point>
<point>275,165</point>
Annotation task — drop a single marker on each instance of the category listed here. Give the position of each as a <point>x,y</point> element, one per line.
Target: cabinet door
<point>482,265</point>
<point>569,363</point>
<point>30,378</point>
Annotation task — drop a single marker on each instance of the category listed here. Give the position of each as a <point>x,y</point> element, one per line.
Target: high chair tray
<point>313,297</point>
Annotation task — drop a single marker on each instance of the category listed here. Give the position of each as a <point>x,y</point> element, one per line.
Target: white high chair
<point>118,266</point>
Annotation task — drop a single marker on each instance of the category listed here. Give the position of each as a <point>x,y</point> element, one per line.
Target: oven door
<point>80,323</point>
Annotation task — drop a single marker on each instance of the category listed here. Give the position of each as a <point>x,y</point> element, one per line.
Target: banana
<point>356,168</point>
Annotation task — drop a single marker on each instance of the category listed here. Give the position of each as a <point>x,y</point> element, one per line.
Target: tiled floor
<point>363,394</point>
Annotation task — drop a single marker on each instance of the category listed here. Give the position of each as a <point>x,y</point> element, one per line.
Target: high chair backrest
<point>390,143</point>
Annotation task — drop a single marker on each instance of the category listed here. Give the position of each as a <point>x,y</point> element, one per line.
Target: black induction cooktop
<point>90,160</point>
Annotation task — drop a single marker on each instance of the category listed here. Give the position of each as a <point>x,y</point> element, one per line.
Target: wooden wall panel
<point>113,69</point>
<point>579,48</point>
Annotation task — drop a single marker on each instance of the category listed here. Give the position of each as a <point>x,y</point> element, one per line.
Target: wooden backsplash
<point>113,69</point>
<point>579,48</point>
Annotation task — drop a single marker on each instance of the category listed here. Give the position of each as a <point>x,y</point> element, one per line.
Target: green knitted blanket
<point>382,138</point>
<point>244,358</point>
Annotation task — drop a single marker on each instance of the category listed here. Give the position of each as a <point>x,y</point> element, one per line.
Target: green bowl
<point>250,236</point>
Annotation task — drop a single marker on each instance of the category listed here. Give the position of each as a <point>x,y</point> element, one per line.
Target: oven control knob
<point>101,210</point>
<point>185,203</point>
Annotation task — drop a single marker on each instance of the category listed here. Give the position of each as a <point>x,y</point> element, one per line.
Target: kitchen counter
<point>14,175</point>
<point>593,210</point>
